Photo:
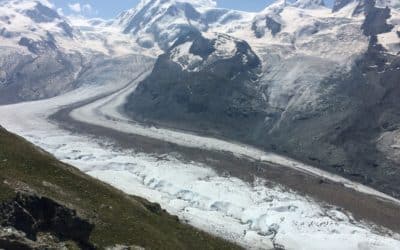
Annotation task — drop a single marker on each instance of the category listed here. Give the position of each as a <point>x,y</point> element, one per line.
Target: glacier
<point>254,215</point>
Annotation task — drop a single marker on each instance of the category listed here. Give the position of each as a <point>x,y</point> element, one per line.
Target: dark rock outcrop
<point>375,19</point>
<point>32,214</point>
<point>12,239</point>
<point>68,30</point>
<point>273,25</point>
<point>42,13</point>
<point>221,94</point>
<point>38,47</point>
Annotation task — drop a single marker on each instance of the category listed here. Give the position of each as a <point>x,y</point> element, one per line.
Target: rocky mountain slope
<point>322,92</point>
<point>208,83</point>
<point>79,216</point>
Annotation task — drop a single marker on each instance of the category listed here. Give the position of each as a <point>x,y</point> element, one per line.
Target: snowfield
<point>254,215</point>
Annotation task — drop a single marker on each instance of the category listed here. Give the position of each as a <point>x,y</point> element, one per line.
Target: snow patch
<point>182,56</point>
<point>391,40</point>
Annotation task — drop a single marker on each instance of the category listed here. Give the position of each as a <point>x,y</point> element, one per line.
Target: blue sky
<point>110,9</point>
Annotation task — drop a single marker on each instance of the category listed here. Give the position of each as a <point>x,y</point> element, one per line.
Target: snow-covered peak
<point>150,9</point>
<point>33,26</point>
<point>25,4</point>
<point>158,23</point>
<point>196,51</point>
<point>38,10</point>
<point>309,4</point>
<point>196,3</point>
<point>275,7</point>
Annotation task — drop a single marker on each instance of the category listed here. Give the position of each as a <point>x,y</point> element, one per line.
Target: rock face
<point>376,19</point>
<point>205,83</point>
<point>32,214</point>
<point>42,14</point>
<point>272,25</point>
<point>10,238</point>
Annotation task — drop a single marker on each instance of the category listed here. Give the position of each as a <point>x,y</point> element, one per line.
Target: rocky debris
<point>14,239</point>
<point>33,215</point>
<point>10,238</point>
<point>154,208</point>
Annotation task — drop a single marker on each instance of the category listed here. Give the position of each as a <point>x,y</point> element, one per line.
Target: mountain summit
<point>309,4</point>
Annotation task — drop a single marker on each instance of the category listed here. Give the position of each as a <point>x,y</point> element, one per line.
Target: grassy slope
<point>118,218</point>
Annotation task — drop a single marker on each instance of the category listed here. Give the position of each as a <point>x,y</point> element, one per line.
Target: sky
<point>111,8</point>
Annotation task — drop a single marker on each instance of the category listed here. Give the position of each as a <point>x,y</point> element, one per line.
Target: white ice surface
<point>253,215</point>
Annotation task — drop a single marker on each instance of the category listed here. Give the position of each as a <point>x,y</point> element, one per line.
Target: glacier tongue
<point>257,216</point>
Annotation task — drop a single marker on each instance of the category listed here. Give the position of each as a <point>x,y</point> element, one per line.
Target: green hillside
<point>110,216</point>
